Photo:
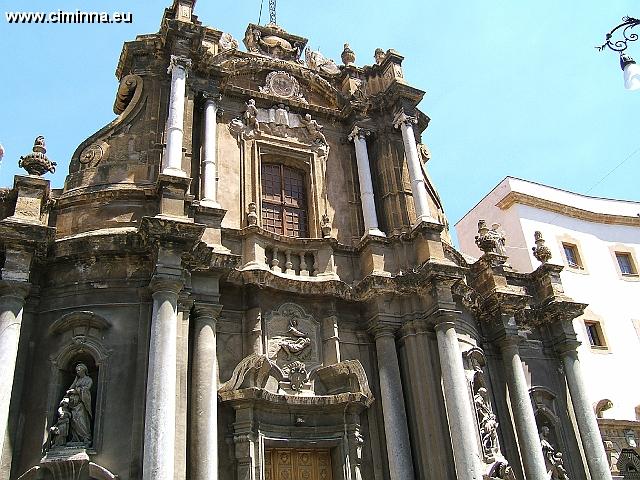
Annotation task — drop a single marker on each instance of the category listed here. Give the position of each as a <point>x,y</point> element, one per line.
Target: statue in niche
<point>73,425</point>
<point>552,458</point>
<point>59,433</point>
<point>487,423</point>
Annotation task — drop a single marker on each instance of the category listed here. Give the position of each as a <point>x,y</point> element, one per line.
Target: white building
<point>598,242</point>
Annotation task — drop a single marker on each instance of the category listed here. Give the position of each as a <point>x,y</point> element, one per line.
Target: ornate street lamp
<point>629,67</point>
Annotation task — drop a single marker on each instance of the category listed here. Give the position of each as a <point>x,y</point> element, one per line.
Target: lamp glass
<point>632,76</point>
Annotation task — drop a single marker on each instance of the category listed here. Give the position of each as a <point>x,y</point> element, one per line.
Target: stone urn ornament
<point>541,251</point>
<point>348,57</point>
<point>37,162</point>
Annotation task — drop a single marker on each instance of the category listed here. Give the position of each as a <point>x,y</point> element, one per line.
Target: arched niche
<point>82,343</point>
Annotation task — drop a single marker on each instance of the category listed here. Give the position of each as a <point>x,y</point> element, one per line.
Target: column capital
<point>205,310</point>
<point>384,329</point>
<point>211,97</point>
<point>179,61</point>
<point>358,132</point>
<point>161,283</point>
<point>402,118</point>
<point>18,290</point>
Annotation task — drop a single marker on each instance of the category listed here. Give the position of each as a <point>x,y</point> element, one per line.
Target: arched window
<point>284,200</point>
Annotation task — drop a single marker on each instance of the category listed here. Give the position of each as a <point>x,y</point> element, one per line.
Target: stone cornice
<point>567,210</point>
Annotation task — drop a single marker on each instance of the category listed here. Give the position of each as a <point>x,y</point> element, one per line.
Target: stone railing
<point>303,258</point>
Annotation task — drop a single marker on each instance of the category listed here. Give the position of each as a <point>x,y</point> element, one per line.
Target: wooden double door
<point>297,464</point>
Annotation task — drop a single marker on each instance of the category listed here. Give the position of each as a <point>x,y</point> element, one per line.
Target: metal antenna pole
<point>272,11</point>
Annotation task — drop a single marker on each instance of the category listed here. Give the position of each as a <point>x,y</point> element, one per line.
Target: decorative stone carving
<point>292,335</point>
<point>541,251</point>
<point>283,85</point>
<point>378,55</point>
<point>629,463</point>
<point>280,122</point>
<point>253,371</point>
<point>487,423</point>
<point>126,91</point>
<point>227,42</point>
<point>552,457</point>
<point>273,41</point>
<point>348,57</point>
<point>73,426</point>
<point>297,375</point>
<point>601,406</point>
<point>37,162</point>
<point>424,152</point>
<point>1,152</point>
<point>94,154</point>
<point>490,240</point>
<point>326,226</point>
<point>500,470</point>
<point>251,116</point>
<point>252,214</point>
<point>317,62</point>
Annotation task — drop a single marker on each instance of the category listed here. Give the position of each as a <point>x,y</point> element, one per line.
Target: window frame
<point>281,205</point>
<point>620,249</point>
<point>633,271</point>
<point>578,263</point>
<point>594,328</point>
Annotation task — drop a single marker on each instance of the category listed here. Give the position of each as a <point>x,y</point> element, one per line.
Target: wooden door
<point>297,464</point>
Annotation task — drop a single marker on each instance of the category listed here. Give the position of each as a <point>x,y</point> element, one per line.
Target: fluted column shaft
<point>358,136</point>
<point>175,120</point>
<point>460,416</point>
<point>11,306</point>
<point>209,163</point>
<point>523,416</point>
<point>418,187</point>
<point>160,413</point>
<point>585,418</point>
<point>204,394</point>
<point>393,410</point>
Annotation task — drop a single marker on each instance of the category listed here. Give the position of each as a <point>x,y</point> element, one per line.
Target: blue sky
<point>513,88</point>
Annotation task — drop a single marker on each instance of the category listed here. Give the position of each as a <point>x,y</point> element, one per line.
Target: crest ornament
<point>283,85</point>
<point>297,375</point>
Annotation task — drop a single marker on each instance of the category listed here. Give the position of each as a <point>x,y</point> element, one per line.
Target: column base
<point>174,172</point>
<point>374,232</point>
<point>209,203</point>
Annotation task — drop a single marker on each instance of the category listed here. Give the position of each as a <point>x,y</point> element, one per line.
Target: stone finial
<point>490,240</point>
<point>326,226</point>
<point>1,152</point>
<point>36,162</point>
<point>252,214</point>
<point>379,55</point>
<point>541,251</point>
<point>348,57</point>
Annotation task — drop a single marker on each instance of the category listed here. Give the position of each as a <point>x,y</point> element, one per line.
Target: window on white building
<point>625,263</point>
<point>572,255</point>
<point>594,334</point>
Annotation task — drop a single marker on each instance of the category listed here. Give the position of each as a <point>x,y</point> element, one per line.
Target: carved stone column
<point>175,120</point>
<point>418,187</point>
<point>459,413</point>
<point>393,409</point>
<point>12,298</point>
<point>204,394</point>
<point>209,161</point>
<point>585,418</point>
<point>160,414</point>
<point>358,136</point>
<point>523,417</point>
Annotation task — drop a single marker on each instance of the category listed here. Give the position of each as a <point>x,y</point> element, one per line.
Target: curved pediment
<point>279,79</point>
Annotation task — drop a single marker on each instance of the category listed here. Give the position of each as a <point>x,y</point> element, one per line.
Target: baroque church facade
<point>248,275</point>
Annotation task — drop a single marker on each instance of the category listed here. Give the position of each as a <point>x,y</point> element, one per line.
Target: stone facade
<point>598,242</point>
<point>158,299</point>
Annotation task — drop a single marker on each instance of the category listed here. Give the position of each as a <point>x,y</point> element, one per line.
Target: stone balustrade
<point>302,258</point>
